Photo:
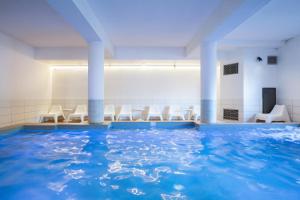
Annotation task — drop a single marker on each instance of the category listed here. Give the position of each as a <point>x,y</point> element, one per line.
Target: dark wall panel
<point>269,99</point>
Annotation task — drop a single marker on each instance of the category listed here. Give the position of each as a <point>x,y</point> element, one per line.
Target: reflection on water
<point>149,154</point>
<point>251,163</point>
<point>289,133</point>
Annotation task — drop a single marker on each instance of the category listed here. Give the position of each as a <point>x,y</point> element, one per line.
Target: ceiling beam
<point>223,44</point>
<point>80,15</point>
<point>121,53</point>
<point>228,16</point>
<point>148,53</point>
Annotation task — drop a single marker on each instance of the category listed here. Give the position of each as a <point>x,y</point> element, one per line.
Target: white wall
<point>289,77</point>
<point>243,91</point>
<point>69,84</point>
<point>25,87</point>
<point>130,86</point>
<point>231,86</point>
<point>153,86</point>
<point>257,75</point>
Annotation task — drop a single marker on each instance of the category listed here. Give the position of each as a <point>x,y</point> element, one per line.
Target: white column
<point>208,60</point>
<point>96,82</point>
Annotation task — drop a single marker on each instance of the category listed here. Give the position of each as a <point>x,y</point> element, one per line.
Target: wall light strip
<point>128,67</point>
<point>65,67</point>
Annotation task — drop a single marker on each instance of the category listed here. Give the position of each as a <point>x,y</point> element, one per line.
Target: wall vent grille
<point>231,114</point>
<point>272,60</point>
<point>231,69</point>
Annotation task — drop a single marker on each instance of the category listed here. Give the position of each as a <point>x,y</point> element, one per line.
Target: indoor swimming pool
<point>210,162</point>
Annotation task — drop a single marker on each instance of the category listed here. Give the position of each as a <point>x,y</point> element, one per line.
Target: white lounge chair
<point>195,113</point>
<point>109,111</point>
<point>80,112</point>
<point>55,112</point>
<point>154,111</point>
<point>125,111</point>
<point>278,114</point>
<point>176,111</point>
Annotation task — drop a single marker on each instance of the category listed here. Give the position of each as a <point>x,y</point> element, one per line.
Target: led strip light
<point>128,67</point>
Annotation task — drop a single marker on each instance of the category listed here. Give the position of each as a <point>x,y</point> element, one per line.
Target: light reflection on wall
<point>129,67</point>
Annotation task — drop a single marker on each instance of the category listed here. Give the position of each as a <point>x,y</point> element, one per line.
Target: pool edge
<point>133,125</point>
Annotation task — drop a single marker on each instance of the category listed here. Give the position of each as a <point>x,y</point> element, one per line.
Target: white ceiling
<point>147,23</point>
<point>37,24</point>
<point>278,20</point>
<point>153,22</point>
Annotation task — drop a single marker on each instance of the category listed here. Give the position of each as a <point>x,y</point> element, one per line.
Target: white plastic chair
<point>195,112</point>
<point>55,112</point>
<point>176,111</point>
<point>154,111</point>
<point>126,111</point>
<point>80,112</point>
<point>279,113</point>
<point>109,111</point>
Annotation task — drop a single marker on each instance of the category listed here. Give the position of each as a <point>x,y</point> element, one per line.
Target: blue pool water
<point>217,162</point>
